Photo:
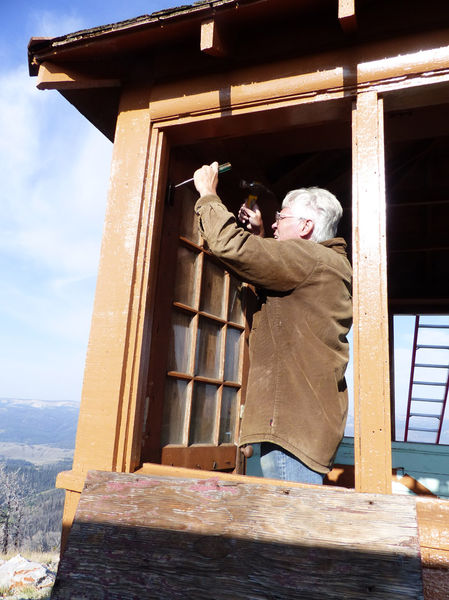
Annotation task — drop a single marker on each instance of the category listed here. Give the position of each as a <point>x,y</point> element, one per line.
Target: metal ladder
<point>435,358</point>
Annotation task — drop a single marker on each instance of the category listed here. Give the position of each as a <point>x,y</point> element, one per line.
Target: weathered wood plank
<point>137,536</point>
<point>433,519</point>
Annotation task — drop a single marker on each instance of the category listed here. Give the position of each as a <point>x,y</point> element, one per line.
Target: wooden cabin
<point>350,96</point>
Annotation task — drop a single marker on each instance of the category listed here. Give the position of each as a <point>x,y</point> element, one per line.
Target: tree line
<point>30,506</point>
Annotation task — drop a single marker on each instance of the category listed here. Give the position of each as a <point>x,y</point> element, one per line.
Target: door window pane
<point>236,291</point>
<point>174,411</point>
<point>180,343</point>
<point>227,416</point>
<point>231,367</point>
<point>212,288</point>
<point>208,349</point>
<point>189,220</point>
<point>204,406</point>
<point>185,281</point>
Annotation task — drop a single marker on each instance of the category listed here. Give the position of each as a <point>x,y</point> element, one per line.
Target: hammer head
<point>254,187</point>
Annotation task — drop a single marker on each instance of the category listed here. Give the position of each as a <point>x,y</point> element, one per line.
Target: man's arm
<point>265,262</point>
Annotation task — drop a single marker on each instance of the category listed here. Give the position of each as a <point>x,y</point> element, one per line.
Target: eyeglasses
<point>278,217</point>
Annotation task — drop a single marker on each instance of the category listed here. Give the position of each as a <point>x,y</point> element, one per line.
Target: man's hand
<point>206,179</point>
<point>252,218</point>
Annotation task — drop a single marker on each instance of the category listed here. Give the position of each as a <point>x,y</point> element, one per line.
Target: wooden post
<point>107,437</point>
<point>347,16</point>
<point>105,371</point>
<point>372,437</point>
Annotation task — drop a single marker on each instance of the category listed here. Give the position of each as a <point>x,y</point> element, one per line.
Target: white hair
<point>318,205</point>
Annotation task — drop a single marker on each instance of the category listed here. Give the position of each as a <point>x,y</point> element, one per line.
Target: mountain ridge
<point>37,430</point>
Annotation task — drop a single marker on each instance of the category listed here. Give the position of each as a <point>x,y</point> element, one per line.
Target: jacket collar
<point>337,244</point>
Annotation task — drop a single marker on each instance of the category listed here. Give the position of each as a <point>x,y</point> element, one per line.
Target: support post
<point>347,16</point>
<point>372,436</point>
<point>108,434</point>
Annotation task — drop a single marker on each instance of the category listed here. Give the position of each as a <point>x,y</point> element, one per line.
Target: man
<point>296,402</point>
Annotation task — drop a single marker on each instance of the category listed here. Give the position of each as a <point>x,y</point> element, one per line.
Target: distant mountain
<point>36,422</point>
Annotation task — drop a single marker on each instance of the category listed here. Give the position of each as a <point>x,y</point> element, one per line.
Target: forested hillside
<point>36,443</point>
<point>30,506</point>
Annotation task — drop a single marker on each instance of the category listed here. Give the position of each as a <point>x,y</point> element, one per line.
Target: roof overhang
<point>91,66</point>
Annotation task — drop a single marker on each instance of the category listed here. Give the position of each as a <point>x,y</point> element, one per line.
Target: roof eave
<point>40,49</point>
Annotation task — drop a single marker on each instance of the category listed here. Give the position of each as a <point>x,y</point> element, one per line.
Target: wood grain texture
<point>138,537</point>
<point>433,517</point>
<point>372,422</point>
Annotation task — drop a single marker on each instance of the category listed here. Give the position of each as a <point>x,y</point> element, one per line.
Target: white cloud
<point>54,184</point>
<point>55,173</point>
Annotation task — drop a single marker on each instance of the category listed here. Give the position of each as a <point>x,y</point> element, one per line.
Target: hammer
<point>255,190</point>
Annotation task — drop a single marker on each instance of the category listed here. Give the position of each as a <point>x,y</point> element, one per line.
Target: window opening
<point>422,378</point>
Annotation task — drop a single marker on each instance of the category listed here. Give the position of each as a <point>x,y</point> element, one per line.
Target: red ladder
<point>429,422</point>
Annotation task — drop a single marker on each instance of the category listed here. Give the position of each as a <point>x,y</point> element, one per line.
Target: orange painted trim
<point>135,373</point>
<point>167,471</point>
<point>107,398</point>
<point>212,38</point>
<point>70,481</point>
<point>70,506</point>
<point>53,77</point>
<point>391,64</point>
<point>372,428</point>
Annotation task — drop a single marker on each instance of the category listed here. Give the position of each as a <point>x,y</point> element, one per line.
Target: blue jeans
<point>277,463</point>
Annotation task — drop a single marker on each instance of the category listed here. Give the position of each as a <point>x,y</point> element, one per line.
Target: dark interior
<point>417,189</point>
<point>417,183</point>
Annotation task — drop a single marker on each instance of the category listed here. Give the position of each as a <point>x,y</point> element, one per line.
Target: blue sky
<point>55,173</point>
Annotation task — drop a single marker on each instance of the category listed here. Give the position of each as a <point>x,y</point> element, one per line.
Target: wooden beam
<point>372,438</point>
<point>347,16</point>
<point>213,39</point>
<point>136,536</point>
<point>55,77</point>
<point>383,67</point>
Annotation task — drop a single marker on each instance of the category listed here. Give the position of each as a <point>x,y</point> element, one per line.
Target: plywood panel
<point>138,536</point>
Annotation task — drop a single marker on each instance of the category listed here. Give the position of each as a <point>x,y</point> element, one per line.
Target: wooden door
<point>198,352</point>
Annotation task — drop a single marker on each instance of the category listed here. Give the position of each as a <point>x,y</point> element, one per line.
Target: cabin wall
<point>154,116</point>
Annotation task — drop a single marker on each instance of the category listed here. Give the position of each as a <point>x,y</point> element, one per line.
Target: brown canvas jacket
<point>296,394</point>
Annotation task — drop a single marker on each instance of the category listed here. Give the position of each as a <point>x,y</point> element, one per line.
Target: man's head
<point>308,213</point>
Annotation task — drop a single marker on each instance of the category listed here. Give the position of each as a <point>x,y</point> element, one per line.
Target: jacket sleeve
<point>264,262</point>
